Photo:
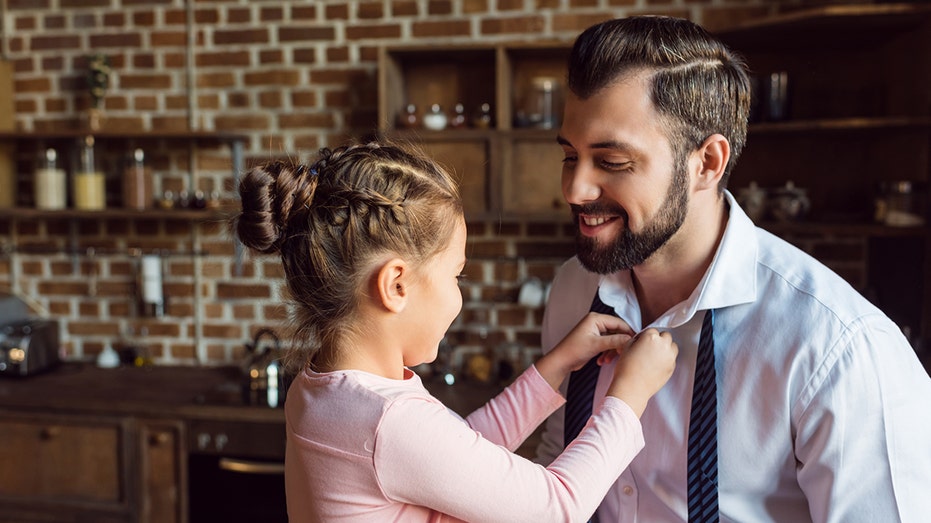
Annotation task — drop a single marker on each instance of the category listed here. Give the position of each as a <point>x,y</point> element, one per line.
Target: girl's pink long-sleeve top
<point>365,448</point>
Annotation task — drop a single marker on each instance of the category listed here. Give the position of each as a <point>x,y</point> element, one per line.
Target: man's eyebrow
<point>609,144</point>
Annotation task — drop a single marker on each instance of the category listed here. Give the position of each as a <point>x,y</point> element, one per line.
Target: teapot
<point>790,203</point>
<point>263,372</point>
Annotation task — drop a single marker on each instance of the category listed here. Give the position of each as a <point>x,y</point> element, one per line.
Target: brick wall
<point>291,76</point>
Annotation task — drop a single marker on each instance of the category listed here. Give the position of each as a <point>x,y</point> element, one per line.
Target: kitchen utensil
<point>789,203</point>
<point>264,379</point>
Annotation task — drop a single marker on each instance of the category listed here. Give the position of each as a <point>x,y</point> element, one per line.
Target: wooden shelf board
<point>839,124</point>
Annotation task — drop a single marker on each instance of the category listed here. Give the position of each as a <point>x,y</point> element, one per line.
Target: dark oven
<point>236,472</point>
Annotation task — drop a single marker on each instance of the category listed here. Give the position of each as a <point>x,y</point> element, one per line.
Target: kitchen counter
<point>176,391</point>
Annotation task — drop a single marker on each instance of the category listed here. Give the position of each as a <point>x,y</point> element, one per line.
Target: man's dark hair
<point>697,84</point>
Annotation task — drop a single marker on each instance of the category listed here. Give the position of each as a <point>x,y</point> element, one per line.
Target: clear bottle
<point>137,183</point>
<point>89,184</point>
<point>458,121</point>
<point>50,188</point>
<point>483,120</point>
<point>408,118</point>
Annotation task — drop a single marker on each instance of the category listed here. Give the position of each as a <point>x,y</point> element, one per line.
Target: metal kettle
<point>264,379</point>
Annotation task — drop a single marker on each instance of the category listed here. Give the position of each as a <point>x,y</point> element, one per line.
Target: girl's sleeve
<point>510,417</point>
<point>425,455</point>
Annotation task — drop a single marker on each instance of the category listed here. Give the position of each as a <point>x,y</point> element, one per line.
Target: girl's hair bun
<point>268,195</point>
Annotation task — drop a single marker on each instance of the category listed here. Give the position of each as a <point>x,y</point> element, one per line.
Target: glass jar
<point>89,183</point>
<point>50,188</point>
<point>901,204</point>
<point>540,105</point>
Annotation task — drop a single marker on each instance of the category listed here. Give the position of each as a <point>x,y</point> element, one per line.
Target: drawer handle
<point>159,439</point>
<point>50,432</point>
<point>251,467</point>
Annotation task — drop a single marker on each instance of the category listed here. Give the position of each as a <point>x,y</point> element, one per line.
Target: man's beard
<point>630,249</point>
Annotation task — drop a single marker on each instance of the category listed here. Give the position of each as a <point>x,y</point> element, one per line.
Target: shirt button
<point>628,490</point>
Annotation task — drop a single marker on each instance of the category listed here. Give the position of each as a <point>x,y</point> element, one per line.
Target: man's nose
<point>579,184</point>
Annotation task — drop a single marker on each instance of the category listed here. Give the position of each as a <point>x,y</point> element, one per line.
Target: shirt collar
<point>730,279</point>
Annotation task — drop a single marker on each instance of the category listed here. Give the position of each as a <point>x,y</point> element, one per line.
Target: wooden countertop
<point>185,392</point>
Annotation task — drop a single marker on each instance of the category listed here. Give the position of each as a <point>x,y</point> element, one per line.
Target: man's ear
<point>391,282</point>
<point>712,157</point>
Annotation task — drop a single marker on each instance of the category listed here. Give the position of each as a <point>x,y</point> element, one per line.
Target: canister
<point>50,184</point>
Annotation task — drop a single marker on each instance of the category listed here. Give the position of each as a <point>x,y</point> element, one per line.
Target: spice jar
<point>89,184</point>
<point>50,189</point>
<point>137,183</point>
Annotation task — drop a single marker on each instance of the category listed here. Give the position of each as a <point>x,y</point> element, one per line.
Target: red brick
<point>277,77</point>
<point>271,14</point>
<point>516,5</point>
<point>228,331</point>
<point>114,19</point>
<point>440,7</point>
<point>239,15</point>
<point>270,99</point>
<point>237,58</point>
<point>145,81</point>
<point>240,36</point>
<point>367,32</point>
<point>93,328</point>
<point>242,122</point>
<point>370,10</point>
<point>216,79</point>
<point>404,8</point>
<point>343,77</point>
<point>303,98</point>
<point>271,56</point>
<point>121,40</point>
<point>168,38</point>
<point>474,6</point>
<point>304,55</point>
<point>54,22</point>
<point>304,12</point>
<point>206,16</point>
<point>576,23</point>
<point>144,18</point>
<point>24,23</point>
<point>441,28</point>
<point>337,54</point>
<point>295,33</point>
<point>55,43</point>
<point>336,12</point>
<point>34,85</point>
<point>520,24</point>
<point>306,121</point>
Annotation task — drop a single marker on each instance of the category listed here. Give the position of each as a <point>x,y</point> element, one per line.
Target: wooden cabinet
<point>506,167</point>
<point>162,472</point>
<point>858,118</point>
<point>87,468</point>
<point>60,465</point>
<point>858,108</point>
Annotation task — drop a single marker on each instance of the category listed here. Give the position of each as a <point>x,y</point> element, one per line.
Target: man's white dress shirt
<point>824,411</point>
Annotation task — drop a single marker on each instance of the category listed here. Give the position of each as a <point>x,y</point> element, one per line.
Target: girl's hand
<point>594,334</point>
<point>643,368</point>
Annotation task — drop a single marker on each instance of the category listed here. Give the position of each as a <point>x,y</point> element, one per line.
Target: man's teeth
<point>591,222</point>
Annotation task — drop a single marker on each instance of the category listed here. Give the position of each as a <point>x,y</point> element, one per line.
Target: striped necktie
<point>703,431</point>
<point>580,394</point>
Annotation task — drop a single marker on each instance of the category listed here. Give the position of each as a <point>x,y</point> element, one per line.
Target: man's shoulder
<point>785,270</point>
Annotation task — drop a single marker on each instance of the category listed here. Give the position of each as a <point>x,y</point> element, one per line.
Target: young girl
<point>372,238</point>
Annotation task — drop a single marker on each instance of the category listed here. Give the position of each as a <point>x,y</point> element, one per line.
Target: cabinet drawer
<point>60,460</point>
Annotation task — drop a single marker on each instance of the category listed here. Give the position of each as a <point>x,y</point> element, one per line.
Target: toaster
<point>28,346</point>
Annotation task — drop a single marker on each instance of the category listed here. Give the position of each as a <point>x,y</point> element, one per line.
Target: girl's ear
<point>391,282</point>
